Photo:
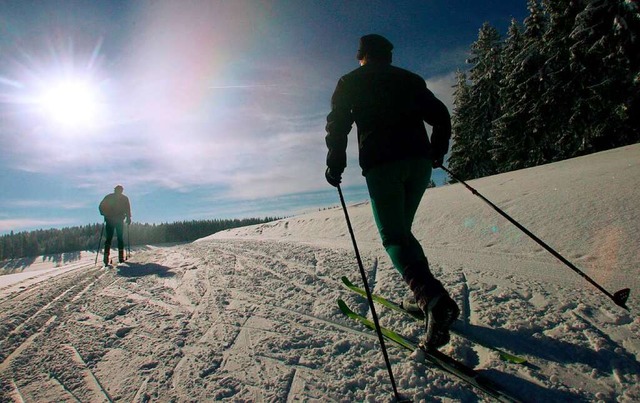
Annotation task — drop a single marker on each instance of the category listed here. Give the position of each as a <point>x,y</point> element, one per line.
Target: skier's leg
<point>393,213</point>
<point>416,182</point>
<point>120,234</point>
<point>107,241</point>
<point>396,192</point>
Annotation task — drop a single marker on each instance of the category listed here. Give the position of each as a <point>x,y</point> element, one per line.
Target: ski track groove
<point>37,291</point>
<point>22,289</point>
<point>58,383</point>
<point>15,392</point>
<point>329,322</point>
<point>249,298</point>
<point>92,383</point>
<point>57,302</point>
<point>247,257</point>
<point>287,262</point>
<point>233,342</point>
<point>192,310</point>
<point>289,386</point>
<point>27,293</point>
<point>285,280</point>
<point>81,293</point>
<point>4,365</point>
<point>594,333</point>
<point>277,269</point>
<point>38,313</point>
<point>27,327</point>
<point>261,258</point>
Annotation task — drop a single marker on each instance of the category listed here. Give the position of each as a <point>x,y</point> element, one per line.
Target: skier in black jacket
<point>115,208</point>
<point>389,106</point>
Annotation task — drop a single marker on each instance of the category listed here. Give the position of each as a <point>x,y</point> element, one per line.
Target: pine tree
<point>460,160</point>
<point>604,58</point>
<point>560,83</point>
<point>533,79</point>
<point>510,148</point>
<point>485,75</point>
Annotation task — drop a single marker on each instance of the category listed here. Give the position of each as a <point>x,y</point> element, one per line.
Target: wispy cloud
<point>19,224</point>
<point>242,144</point>
<point>42,203</point>
<point>242,87</point>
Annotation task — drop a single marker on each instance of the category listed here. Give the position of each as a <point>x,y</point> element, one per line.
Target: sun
<point>70,103</point>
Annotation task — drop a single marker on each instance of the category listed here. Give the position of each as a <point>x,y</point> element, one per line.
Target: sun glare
<point>70,104</point>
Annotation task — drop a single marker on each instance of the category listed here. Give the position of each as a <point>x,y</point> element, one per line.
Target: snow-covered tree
<point>533,79</point>
<point>483,108</point>
<point>604,60</point>
<point>560,84</point>
<point>460,160</point>
<point>564,83</point>
<point>510,145</point>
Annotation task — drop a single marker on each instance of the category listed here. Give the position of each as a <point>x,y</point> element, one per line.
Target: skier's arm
<point>128,205</point>
<point>339,123</point>
<point>436,114</point>
<point>103,207</point>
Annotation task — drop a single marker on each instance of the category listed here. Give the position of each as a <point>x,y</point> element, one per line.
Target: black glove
<point>333,176</point>
<point>437,162</point>
<point>437,157</point>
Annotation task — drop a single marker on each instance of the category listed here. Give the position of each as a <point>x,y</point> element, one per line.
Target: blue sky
<point>200,109</point>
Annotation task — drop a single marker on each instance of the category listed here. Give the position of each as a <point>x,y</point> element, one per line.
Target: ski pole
<point>619,298</point>
<point>99,244</point>
<point>128,241</point>
<point>369,298</point>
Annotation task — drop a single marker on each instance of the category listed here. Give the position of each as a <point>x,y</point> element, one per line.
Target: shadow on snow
<point>146,269</point>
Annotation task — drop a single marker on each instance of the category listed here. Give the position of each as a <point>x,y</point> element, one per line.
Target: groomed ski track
<point>256,320</point>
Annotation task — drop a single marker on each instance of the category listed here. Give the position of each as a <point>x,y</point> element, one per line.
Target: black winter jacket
<point>115,207</point>
<point>389,106</point>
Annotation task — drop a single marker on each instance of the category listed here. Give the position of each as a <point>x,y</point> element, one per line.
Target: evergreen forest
<point>564,82</point>
<point>73,239</point>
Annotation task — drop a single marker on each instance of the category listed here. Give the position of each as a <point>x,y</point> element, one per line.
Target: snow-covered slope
<point>250,314</point>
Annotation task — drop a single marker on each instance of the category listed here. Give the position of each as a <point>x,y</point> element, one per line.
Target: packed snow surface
<point>250,314</point>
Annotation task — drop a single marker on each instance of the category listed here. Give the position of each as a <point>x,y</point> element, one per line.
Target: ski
<point>419,317</point>
<point>440,360</point>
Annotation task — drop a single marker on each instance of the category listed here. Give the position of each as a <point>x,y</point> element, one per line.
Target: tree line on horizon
<point>74,239</point>
<point>563,83</point>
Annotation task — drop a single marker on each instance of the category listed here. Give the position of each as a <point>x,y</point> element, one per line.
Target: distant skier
<point>389,106</point>
<point>115,208</point>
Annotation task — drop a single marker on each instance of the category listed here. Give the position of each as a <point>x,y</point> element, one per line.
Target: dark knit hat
<point>374,45</point>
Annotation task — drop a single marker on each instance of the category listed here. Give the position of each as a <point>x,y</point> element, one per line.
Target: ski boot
<point>409,304</point>
<point>440,310</point>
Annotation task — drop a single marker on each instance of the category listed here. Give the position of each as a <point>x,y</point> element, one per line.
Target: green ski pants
<point>395,190</point>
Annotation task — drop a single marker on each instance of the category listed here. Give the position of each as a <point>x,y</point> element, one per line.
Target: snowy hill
<point>249,314</point>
